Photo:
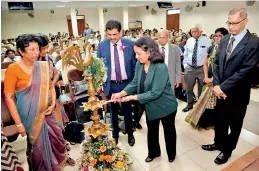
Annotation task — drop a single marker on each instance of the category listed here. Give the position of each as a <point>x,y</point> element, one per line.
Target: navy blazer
<point>129,60</point>
<point>234,78</point>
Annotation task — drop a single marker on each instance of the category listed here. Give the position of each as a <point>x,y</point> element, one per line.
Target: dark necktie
<point>229,48</point>
<point>163,51</point>
<point>194,54</point>
<point>117,64</point>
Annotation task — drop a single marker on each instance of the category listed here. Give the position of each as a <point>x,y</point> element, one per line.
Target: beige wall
<point>212,16</point>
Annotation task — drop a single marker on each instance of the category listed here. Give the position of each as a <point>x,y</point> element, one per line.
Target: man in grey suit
<point>172,55</point>
<point>196,49</point>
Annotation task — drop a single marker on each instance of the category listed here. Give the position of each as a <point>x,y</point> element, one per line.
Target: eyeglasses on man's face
<point>234,23</point>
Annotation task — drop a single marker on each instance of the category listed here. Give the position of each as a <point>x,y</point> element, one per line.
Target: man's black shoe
<point>187,108</point>
<point>209,147</point>
<point>222,158</point>
<point>138,126</point>
<point>131,140</point>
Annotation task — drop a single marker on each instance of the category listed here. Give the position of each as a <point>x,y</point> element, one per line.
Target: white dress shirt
<point>203,45</point>
<point>122,62</point>
<point>16,59</point>
<point>166,52</point>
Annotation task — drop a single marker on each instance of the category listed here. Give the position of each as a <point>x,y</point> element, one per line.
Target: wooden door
<point>69,24</point>
<point>80,24</point>
<point>173,20</point>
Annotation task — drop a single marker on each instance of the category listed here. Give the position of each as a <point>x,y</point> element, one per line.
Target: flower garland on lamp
<point>100,152</point>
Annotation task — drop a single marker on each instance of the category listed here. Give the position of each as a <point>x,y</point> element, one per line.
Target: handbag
<point>73,132</point>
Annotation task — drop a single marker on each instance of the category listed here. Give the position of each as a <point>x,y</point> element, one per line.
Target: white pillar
<point>125,18</point>
<point>74,21</point>
<point>101,23</point>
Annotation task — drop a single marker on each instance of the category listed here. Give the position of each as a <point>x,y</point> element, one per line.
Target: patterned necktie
<point>194,55</point>
<point>229,48</point>
<point>163,51</point>
<point>117,64</point>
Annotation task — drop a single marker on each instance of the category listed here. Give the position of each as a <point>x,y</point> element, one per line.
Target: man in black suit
<point>235,60</point>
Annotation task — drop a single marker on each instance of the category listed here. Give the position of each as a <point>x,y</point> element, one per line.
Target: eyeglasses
<point>233,23</point>
<point>218,36</point>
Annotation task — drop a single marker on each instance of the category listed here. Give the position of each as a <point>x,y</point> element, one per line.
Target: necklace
<point>26,68</point>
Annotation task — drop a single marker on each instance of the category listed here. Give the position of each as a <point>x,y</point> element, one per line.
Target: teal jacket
<point>159,99</point>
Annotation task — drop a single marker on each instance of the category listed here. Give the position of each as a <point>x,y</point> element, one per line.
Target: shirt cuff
<point>221,90</point>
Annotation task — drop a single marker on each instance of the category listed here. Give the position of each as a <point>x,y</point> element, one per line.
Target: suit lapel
<point>108,56</point>
<point>170,59</point>
<point>139,76</point>
<point>224,46</point>
<point>125,51</point>
<point>239,47</point>
<point>149,76</point>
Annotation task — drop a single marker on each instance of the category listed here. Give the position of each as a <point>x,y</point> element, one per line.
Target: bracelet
<point>19,125</point>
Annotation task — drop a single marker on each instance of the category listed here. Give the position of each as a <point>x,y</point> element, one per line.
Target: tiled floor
<point>190,156</point>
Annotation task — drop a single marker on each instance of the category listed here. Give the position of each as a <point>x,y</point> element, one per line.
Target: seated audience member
<point>57,52</point>
<point>10,56</point>
<point>151,87</point>
<point>66,44</point>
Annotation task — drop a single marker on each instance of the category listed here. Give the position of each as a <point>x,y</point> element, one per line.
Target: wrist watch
<point>19,125</point>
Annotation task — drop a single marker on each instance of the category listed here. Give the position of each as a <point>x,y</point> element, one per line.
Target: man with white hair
<point>235,60</point>
<point>194,55</point>
<point>172,55</point>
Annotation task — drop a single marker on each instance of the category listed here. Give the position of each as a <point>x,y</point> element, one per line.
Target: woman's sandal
<point>71,162</point>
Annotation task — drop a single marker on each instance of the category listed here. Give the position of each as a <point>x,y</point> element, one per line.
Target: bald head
<point>164,32</point>
<point>163,37</point>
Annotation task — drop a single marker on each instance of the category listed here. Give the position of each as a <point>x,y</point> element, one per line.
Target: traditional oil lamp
<point>72,56</point>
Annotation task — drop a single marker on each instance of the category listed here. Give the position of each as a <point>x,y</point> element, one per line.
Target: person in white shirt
<point>172,55</point>
<point>10,56</point>
<point>195,53</point>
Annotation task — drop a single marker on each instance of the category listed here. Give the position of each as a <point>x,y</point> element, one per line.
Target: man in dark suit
<point>236,57</point>
<point>119,58</point>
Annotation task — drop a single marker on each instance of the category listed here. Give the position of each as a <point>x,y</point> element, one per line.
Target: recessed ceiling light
<point>61,6</point>
<point>132,5</point>
<point>177,1</point>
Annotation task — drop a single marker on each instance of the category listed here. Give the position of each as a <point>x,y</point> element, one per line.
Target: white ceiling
<point>52,4</point>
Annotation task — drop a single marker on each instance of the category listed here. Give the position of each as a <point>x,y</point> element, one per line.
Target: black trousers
<point>228,116</point>
<point>124,108</point>
<point>169,132</point>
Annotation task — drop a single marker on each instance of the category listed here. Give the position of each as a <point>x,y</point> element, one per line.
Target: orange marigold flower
<point>93,162</point>
<point>119,164</point>
<point>108,158</point>
<point>106,169</point>
<point>103,149</point>
<point>102,157</point>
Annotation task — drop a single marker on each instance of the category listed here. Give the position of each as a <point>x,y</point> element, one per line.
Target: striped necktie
<point>117,64</point>
<point>194,55</point>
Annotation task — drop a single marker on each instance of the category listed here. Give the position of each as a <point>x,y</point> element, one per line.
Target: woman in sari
<point>29,81</point>
<point>201,116</point>
<point>59,110</point>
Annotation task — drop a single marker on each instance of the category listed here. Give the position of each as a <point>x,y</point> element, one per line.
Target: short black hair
<point>55,44</point>
<point>43,40</point>
<point>222,30</point>
<point>113,24</point>
<point>52,39</point>
<point>23,41</point>
<point>148,44</point>
<point>9,50</point>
